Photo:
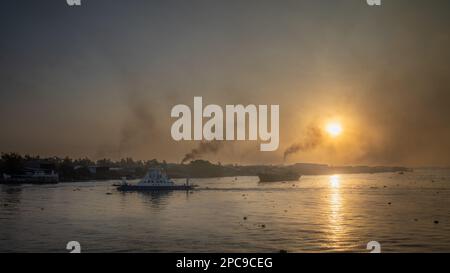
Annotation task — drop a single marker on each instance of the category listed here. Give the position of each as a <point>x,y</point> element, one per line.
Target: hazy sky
<point>100,80</point>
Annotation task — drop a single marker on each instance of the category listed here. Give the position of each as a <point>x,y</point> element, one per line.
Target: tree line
<point>77,169</point>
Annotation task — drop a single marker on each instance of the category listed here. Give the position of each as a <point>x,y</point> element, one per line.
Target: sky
<point>100,80</point>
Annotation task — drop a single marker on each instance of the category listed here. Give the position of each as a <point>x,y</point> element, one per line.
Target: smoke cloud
<point>313,138</point>
<point>203,148</point>
<point>138,127</point>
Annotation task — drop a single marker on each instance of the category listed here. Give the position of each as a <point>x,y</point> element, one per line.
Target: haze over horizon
<point>100,80</point>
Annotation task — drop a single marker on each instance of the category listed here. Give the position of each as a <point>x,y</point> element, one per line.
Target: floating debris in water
<point>108,193</point>
<point>245,218</point>
<point>436,222</point>
<point>389,203</point>
<point>415,220</point>
<point>283,251</point>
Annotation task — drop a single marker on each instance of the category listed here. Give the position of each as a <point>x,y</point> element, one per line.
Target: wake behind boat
<point>154,180</point>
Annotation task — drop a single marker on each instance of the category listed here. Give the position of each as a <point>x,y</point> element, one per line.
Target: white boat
<point>154,180</point>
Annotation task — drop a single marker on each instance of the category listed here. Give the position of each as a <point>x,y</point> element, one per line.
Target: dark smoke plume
<point>139,127</point>
<point>313,138</point>
<point>203,148</point>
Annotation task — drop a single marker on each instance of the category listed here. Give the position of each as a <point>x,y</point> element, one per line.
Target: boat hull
<point>154,188</point>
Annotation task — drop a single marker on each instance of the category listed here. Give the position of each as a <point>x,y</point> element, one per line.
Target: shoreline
<point>209,177</point>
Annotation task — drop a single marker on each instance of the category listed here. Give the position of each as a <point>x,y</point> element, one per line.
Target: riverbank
<point>73,170</point>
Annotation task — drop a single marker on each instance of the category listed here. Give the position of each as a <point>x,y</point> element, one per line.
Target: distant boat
<point>154,180</point>
<point>278,176</point>
<point>31,176</point>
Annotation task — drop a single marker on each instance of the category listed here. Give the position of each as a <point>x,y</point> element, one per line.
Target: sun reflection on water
<point>335,211</point>
<point>335,181</point>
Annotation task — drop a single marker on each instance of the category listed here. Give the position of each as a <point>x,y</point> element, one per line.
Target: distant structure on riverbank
<point>31,171</point>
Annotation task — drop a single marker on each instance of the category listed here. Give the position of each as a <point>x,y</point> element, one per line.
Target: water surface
<point>317,213</point>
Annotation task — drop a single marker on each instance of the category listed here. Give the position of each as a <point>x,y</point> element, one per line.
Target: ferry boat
<point>154,180</point>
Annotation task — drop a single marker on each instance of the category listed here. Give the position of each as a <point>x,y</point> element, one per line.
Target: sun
<point>334,129</point>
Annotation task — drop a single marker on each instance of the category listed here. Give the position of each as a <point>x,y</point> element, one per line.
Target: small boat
<point>278,176</point>
<point>154,180</point>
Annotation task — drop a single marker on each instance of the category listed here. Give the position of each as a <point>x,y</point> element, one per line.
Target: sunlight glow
<point>334,181</point>
<point>334,129</point>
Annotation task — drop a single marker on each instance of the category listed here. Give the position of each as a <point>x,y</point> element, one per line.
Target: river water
<point>404,213</point>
